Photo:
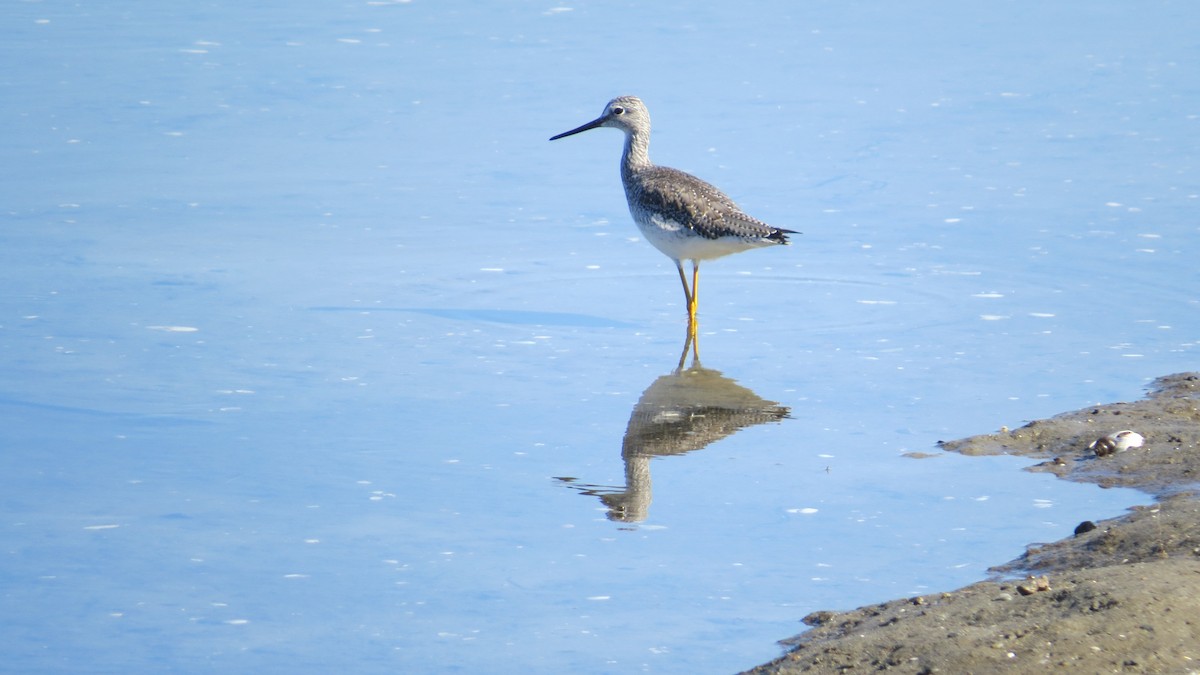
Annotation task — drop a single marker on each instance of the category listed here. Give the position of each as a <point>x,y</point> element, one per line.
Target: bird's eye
<point>618,110</point>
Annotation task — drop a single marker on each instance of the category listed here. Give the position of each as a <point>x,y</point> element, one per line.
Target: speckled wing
<point>687,200</point>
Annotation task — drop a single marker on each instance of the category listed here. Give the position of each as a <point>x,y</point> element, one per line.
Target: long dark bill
<point>590,125</point>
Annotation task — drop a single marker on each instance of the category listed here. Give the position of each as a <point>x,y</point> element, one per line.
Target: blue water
<point>320,358</point>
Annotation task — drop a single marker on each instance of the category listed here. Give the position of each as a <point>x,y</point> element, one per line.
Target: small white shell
<point>1117,442</point>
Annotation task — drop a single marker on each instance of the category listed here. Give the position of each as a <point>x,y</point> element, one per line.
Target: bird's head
<point>626,113</point>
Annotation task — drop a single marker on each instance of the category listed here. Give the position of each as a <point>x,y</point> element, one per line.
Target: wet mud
<point>1120,595</point>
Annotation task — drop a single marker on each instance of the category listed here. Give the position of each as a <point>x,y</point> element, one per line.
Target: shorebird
<point>681,215</point>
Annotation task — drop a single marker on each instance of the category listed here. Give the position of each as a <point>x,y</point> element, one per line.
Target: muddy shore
<point>1121,595</point>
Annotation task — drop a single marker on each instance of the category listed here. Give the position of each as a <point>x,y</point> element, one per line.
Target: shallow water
<point>320,356</point>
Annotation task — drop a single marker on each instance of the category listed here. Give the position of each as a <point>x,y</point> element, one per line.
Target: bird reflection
<point>684,410</point>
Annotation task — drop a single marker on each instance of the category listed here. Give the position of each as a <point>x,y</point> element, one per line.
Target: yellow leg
<point>687,293</point>
<point>695,292</point>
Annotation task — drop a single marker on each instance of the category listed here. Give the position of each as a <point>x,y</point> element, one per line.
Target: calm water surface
<point>319,357</point>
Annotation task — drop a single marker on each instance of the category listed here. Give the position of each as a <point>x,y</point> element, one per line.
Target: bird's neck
<point>637,152</point>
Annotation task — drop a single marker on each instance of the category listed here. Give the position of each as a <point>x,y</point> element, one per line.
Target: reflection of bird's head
<point>622,508</point>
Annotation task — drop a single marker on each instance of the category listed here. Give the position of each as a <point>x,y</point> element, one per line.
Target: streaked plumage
<point>681,215</point>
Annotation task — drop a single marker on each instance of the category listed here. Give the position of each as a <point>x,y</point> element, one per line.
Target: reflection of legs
<point>690,344</point>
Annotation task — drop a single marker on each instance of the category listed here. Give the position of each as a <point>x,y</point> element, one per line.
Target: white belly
<point>679,243</point>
